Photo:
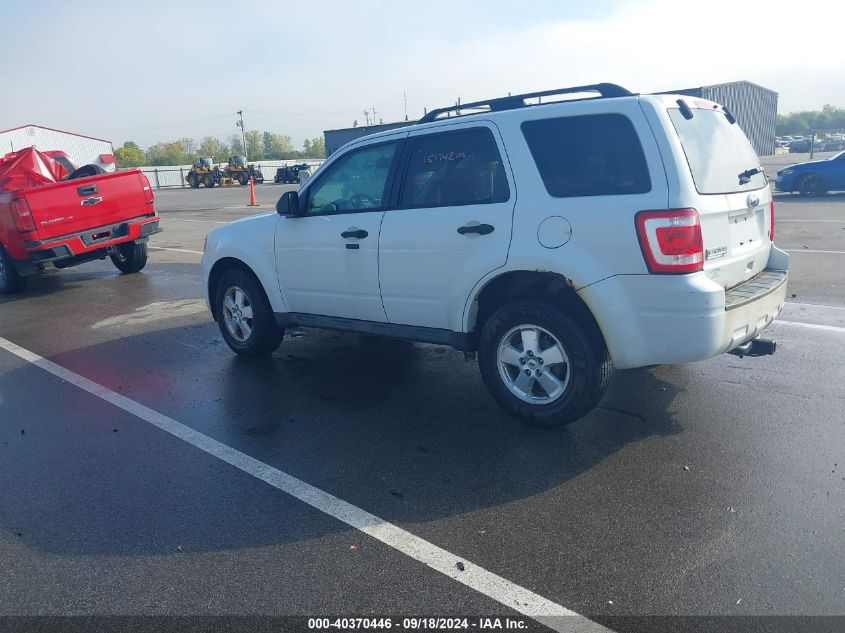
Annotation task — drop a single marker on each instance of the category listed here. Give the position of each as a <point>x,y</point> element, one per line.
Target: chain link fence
<point>824,143</point>
<point>172,177</point>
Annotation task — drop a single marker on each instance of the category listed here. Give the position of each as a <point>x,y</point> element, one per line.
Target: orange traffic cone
<point>252,202</point>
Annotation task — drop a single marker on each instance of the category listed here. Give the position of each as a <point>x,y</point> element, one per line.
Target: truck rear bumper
<point>664,319</point>
<point>92,240</point>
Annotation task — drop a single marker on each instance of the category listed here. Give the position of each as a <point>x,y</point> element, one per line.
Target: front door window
<point>355,182</point>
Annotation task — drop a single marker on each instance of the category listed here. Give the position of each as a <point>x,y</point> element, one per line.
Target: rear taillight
<point>772,221</point>
<point>149,196</point>
<point>22,215</point>
<point>671,240</point>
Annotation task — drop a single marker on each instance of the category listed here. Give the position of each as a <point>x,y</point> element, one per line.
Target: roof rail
<point>605,90</point>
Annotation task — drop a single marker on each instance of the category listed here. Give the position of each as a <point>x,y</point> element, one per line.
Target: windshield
<point>205,162</point>
<point>720,157</point>
<point>239,160</point>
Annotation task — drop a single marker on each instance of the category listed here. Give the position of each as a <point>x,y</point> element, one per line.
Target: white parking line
<point>179,250</point>
<point>169,218</point>
<point>779,220</point>
<point>809,250</point>
<point>813,326</point>
<point>486,582</point>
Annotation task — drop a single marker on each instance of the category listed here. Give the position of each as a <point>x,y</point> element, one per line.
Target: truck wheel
<point>10,281</point>
<point>208,180</point>
<point>130,257</point>
<point>193,181</point>
<point>244,315</point>
<point>543,365</point>
<point>242,178</point>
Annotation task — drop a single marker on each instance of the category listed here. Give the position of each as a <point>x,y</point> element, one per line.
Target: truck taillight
<point>149,196</point>
<point>22,215</point>
<point>772,221</point>
<point>671,240</point>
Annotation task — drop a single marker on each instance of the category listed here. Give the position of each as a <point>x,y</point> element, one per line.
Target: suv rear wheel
<point>245,316</point>
<point>542,365</point>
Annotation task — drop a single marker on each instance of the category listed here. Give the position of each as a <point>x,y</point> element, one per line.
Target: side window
<point>355,182</point>
<point>455,168</point>
<point>594,155</point>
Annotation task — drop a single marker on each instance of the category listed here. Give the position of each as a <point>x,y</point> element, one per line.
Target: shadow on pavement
<point>406,431</point>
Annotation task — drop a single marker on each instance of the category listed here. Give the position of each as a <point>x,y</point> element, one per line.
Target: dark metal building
<point>335,139</point>
<point>754,107</point>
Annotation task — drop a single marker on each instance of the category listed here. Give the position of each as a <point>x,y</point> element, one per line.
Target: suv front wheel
<point>543,365</point>
<point>245,316</point>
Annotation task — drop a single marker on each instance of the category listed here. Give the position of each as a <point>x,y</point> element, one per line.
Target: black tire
<point>130,257</point>
<point>812,185</point>
<point>193,181</point>
<point>264,335</point>
<point>208,180</point>
<point>10,281</point>
<point>243,178</point>
<point>585,375</point>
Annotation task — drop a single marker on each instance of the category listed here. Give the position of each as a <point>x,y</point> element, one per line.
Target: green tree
<point>172,153</point>
<point>828,118</point>
<point>277,146</point>
<point>130,155</point>
<point>314,148</point>
<point>254,146</point>
<point>214,147</point>
<point>236,146</point>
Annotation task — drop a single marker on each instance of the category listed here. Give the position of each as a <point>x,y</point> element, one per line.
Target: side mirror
<point>288,204</point>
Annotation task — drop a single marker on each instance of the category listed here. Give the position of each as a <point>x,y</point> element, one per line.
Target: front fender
<point>252,242</point>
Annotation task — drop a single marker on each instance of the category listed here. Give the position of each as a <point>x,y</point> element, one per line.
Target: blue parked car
<point>814,177</point>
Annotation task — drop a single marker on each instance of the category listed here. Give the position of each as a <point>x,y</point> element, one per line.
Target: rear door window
<point>718,152</point>
<point>592,155</point>
<point>455,168</point>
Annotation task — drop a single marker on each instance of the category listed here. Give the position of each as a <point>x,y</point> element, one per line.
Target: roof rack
<point>605,90</point>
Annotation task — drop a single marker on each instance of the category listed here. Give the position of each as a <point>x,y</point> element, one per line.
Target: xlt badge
<point>716,253</point>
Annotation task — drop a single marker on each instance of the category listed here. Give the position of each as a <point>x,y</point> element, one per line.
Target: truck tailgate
<point>73,206</point>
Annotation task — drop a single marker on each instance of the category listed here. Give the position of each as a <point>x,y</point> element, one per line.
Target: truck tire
<point>244,315</point>
<point>10,281</point>
<point>130,257</point>
<point>208,180</point>
<point>242,178</point>
<point>543,365</point>
<point>193,181</point>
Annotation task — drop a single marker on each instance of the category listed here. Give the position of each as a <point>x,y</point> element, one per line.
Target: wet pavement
<point>714,488</point>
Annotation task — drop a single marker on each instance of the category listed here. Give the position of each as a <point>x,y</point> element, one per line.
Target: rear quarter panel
<point>603,240</point>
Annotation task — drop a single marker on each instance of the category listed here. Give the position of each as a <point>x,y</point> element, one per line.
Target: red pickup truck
<point>71,220</point>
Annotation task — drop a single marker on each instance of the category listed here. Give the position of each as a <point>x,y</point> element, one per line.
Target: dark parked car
<point>289,173</point>
<point>800,146</point>
<point>814,177</point>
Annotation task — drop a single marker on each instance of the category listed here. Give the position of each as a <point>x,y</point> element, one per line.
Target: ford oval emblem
<point>753,201</point>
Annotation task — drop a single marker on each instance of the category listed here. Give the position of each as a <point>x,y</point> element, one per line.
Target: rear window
<point>593,155</point>
<point>717,151</point>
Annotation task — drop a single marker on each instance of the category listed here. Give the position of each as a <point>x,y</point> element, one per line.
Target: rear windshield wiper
<point>745,176</point>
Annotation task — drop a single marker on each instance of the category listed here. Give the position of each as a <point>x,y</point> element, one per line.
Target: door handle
<point>480,229</point>
<point>358,233</point>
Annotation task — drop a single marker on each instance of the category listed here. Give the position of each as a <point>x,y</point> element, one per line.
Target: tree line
<point>828,118</point>
<point>259,146</point>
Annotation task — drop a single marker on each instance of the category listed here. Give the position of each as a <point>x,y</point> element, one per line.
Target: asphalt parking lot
<point>709,489</point>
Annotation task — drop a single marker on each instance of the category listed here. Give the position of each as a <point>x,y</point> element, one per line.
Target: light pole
<point>240,124</point>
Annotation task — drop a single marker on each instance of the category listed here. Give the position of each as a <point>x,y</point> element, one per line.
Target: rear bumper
<point>664,319</point>
<point>93,239</point>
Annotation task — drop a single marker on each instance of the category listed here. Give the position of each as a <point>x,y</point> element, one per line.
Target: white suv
<point>552,238</point>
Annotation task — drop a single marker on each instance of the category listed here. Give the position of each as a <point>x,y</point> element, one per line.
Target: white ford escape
<point>554,239</point>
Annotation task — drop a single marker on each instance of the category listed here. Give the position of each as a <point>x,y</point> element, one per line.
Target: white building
<point>82,150</point>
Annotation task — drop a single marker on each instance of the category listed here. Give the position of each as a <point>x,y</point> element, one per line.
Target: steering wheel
<point>362,201</point>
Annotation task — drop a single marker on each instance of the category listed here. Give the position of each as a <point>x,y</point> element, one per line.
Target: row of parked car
<point>803,144</point>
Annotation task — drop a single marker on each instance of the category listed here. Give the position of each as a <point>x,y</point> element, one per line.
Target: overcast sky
<point>153,71</point>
